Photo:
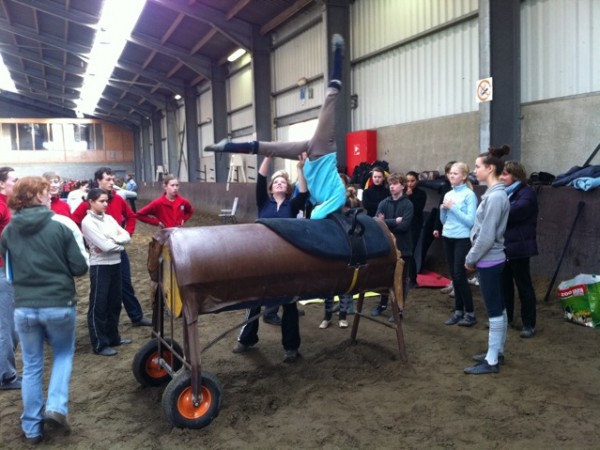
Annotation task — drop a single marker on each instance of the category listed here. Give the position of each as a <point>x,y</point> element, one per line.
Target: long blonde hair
<point>464,169</point>
<point>352,200</point>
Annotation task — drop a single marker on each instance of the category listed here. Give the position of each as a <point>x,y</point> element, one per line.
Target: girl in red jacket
<point>168,210</point>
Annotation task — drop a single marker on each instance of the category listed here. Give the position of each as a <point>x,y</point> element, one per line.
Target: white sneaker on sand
<point>325,324</point>
<point>447,289</point>
<point>343,324</point>
<point>474,280</point>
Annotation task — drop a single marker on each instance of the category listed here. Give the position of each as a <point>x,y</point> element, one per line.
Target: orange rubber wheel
<point>147,367</point>
<point>186,407</point>
<point>180,409</point>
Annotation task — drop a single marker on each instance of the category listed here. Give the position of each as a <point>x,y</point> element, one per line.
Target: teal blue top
<point>327,192</point>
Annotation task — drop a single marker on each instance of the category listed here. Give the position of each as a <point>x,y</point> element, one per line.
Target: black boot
<point>225,146</point>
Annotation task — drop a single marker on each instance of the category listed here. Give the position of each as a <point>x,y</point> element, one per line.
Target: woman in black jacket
<point>376,192</point>
<point>520,243</point>
<point>418,198</point>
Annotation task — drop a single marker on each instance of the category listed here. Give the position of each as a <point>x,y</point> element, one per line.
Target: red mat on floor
<point>432,280</point>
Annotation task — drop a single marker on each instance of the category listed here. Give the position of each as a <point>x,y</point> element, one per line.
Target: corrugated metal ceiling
<point>176,43</point>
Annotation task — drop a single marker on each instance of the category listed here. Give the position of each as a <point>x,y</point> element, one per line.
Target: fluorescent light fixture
<point>6,82</point>
<point>236,55</point>
<point>114,28</point>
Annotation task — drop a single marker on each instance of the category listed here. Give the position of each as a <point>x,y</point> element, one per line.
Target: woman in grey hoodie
<point>488,257</point>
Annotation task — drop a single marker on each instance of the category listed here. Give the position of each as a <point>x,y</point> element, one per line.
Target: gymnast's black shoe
<point>218,147</point>
<point>226,146</point>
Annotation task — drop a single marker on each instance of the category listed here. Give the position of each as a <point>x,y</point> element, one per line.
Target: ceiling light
<point>236,55</point>
<point>114,28</point>
<point>177,97</point>
<point>6,82</point>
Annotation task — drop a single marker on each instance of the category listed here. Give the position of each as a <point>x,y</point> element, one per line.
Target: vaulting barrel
<point>220,267</point>
<point>211,269</point>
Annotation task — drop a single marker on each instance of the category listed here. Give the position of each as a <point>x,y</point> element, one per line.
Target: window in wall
<point>80,136</point>
<point>98,136</point>
<point>57,139</point>
<point>9,136</point>
<point>42,139</point>
<point>26,136</point>
<point>51,136</point>
<point>88,136</point>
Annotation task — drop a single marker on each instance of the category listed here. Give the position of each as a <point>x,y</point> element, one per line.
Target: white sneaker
<point>325,324</point>
<point>474,280</point>
<point>343,324</point>
<point>447,289</point>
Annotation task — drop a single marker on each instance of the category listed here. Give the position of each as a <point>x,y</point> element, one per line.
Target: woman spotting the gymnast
<point>277,201</point>
<point>327,192</point>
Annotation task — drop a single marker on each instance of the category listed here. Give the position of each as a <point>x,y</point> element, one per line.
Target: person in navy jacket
<point>520,245</point>
<point>276,201</point>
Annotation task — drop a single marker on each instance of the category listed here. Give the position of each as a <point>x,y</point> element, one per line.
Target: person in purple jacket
<point>520,245</point>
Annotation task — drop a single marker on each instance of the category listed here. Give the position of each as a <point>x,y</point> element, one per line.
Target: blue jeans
<point>36,326</point>
<point>8,336</point>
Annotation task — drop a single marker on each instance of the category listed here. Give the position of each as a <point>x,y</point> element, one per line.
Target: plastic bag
<point>580,299</point>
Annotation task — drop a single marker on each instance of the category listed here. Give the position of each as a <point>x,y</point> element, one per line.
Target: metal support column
<point>219,101</point>
<point>499,55</point>
<point>157,140</point>
<point>148,174</point>
<point>337,20</point>
<point>261,70</point>
<point>191,133</point>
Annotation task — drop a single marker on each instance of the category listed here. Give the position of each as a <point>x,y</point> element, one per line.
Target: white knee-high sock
<point>496,336</point>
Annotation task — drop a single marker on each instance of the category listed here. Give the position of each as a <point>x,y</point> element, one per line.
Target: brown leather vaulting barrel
<point>210,269</point>
<point>220,266</point>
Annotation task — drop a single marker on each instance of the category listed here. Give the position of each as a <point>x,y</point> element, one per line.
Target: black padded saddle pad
<point>327,239</point>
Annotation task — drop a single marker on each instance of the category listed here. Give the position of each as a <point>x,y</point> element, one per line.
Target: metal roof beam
<point>12,50</point>
<point>60,44</point>
<point>197,63</point>
<point>284,16</point>
<point>48,92</point>
<point>119,118</point>
<point>175,87</point>
<point>236,30</point>
<point>142,109</point>
<point>59,111</point>
<point>47,7</point>
<point>109,107</point>
<point>147,96</point>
